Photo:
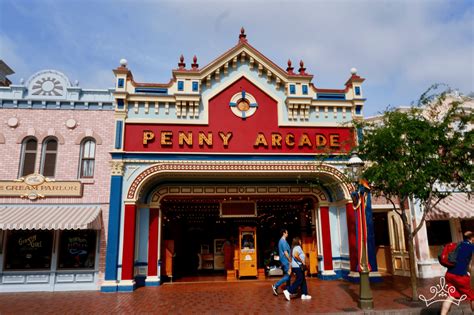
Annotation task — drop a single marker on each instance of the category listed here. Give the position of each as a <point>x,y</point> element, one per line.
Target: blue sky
<point>400,47</point>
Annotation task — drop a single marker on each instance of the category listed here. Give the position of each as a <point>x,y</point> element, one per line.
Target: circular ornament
<point>13,122</point>
<point>71,123</point>
<point>34,179</point>
<point>243,104</point>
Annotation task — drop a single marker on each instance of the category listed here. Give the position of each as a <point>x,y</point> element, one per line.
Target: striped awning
<point>455,206</point>
<point>52,217</point>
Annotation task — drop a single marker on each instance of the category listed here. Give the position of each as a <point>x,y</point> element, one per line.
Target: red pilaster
<point>128,253</point>
<point>351,230</point>
<point>153,243</point>
<point>326,234</point>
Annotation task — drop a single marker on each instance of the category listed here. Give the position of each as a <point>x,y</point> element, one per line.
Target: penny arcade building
<point>229,153</point>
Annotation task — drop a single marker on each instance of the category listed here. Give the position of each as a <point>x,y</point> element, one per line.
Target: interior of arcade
<point>195,230</point>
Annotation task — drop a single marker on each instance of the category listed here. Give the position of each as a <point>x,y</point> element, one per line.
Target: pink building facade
<point>55,143</point>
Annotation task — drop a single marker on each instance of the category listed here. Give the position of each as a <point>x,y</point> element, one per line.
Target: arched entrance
<point>182,205</point>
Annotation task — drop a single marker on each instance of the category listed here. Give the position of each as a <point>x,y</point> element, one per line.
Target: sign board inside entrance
<point>238,209</point>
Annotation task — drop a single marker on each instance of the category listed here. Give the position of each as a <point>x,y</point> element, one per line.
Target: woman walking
<point>298,264</point>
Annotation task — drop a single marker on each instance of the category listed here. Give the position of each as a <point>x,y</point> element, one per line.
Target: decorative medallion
<point>48,86</point>
<point>243,104</point>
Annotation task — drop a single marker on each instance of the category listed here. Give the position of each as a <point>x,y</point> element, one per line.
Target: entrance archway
<point>175,194</point>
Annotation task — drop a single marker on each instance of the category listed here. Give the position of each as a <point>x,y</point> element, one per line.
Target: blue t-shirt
<point>283,246</point>
<point>463,259</point>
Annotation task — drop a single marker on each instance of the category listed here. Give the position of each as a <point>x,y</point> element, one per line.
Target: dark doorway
<point>197,230</point>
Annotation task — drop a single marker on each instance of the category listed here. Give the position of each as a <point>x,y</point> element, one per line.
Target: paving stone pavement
<point>239,297</point>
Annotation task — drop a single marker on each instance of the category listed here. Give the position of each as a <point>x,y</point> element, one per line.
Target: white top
<point>301,255</point>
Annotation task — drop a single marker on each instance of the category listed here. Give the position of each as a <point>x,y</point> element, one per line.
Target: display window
<point>77,249</point>
<point>28,250</point>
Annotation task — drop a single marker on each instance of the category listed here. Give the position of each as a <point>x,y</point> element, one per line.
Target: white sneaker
<point>306,297</point>
<point>287,295</point>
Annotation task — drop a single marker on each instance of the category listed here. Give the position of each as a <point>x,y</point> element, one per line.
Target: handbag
<point>302,267</point>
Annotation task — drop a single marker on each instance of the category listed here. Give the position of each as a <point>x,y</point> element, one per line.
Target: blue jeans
<point>286,277</point>
<point>300,281</point>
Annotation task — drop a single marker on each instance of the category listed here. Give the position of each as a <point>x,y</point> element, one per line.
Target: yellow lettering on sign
<point>183,138</point>
<point>290,139</point>
<point>166,137</point>
<point>260,141</point>
<point>334,141</point>
<point>304,140</point>
<point>207,139</point>
<point>225,138</point>
<point>148,136</point>
<point>320,140</point>
<point>276,140</point>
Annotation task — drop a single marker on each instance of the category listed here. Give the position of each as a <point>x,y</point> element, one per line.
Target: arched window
<point>87,159</point>
<point>28,156</point>
<point>48,157</point>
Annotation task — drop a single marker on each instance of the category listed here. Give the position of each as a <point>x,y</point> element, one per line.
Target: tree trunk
<point>411,253</point>
<point>409,236</point>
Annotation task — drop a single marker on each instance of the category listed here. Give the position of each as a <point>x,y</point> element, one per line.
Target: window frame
<point>10,257</point>
<point>82,158</point>
<point>44,152</point>
<point>62,257</point>
<point>304,89</point>
<point>292,89</point>
<point>23,153</point>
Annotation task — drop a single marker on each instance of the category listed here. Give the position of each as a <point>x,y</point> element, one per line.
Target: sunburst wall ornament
<point>48,86</point>
<point>243,104</point>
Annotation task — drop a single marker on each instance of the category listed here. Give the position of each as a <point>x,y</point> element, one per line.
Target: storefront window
<point>77,249</point>
<point>439,232</point>
<point>28,250</point>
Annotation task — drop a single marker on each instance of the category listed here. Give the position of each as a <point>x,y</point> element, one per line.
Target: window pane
<point>87,168</point>
<point>52,145</point>
<point>89,149</point>
<point>92,150</point>
<point>28,164</point>
<point>31,145</point>
<point>439,232</point>
<point>28,250</point>
<point>381,228</point>
<point>86,149</point>
<point>49,164</point>
<point>77,249</point>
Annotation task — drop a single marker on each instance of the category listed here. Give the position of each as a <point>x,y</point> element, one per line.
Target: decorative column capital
<point>117,167</point>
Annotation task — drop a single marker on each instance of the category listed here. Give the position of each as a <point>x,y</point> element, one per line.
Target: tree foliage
<point>424,153</point>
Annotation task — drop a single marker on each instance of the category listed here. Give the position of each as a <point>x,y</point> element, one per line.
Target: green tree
<point>423,153</point>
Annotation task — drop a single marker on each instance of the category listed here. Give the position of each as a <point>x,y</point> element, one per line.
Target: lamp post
<point>355,165</point>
